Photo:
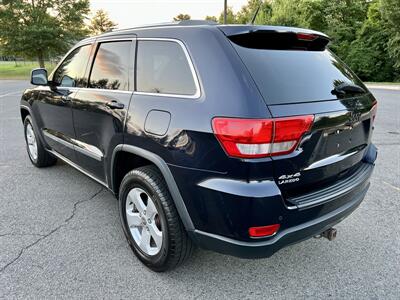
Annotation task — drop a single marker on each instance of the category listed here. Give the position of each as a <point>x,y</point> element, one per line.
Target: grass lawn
<point>8,69</point>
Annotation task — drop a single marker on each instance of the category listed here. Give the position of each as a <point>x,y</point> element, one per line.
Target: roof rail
<point>166,24</point>
<point>197,22</point>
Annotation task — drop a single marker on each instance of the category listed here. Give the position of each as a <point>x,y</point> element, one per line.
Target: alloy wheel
<point>144,221</point>
<point>32,143</point>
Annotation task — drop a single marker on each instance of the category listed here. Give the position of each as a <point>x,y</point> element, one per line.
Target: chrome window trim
<point>72,164</point>
<point>197,94</point>
<point>84,148</point>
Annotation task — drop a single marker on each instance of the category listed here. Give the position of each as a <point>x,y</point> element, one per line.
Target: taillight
<point>264,231</point>
<point>252,138</point>
<point>288,132</point>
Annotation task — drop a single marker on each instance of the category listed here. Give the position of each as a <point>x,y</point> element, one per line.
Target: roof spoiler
<point>276,38</point>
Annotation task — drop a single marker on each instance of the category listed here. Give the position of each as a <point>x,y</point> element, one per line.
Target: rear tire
<point>36,151</point>
<point>146,204</point>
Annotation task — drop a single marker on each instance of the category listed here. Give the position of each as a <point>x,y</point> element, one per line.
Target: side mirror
<point>39,77</point>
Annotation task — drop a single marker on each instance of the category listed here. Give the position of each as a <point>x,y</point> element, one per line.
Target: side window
<point>111,66</point>
<point>162,67</point>
<point>71,72</point>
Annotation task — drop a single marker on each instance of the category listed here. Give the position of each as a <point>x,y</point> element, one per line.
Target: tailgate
<point>331,150</point>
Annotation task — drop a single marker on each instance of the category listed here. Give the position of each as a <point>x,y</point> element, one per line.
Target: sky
<point>129,13</point>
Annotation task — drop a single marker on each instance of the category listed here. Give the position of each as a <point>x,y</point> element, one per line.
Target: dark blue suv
<point>239,139</point>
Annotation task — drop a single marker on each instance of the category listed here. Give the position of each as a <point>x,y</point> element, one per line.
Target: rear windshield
<point>295,76</point>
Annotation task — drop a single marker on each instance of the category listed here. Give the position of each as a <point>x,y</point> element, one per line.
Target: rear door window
<point>163,68</point>
<point>295,76</point>
<point>111,66</point>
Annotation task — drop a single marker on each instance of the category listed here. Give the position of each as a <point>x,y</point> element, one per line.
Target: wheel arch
<point>25,111</point>
<point>164,170</point>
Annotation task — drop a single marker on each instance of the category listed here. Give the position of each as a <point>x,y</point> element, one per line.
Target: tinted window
<point>111,66</point>
<point>293,76</point>
<point>162,68</point>
<point>71,72</point>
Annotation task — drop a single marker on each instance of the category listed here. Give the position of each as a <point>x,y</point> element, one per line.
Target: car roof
<point>232,29</point>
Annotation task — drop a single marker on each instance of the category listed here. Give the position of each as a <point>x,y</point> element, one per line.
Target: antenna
<point>255,14</point>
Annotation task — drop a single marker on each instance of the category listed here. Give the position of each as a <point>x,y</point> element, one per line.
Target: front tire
<point>36,151</point>
<point>150,220</point>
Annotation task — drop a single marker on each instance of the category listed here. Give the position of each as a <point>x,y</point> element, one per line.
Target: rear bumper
<point>223,209</point>
<point>283,238</point>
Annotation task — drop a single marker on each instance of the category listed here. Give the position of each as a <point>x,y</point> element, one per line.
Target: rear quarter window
<point>295,76</point>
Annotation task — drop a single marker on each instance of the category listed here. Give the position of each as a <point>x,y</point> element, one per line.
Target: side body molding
<point>165,171</point>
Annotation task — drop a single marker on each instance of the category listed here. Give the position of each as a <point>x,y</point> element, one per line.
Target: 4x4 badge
<point>290,178</point>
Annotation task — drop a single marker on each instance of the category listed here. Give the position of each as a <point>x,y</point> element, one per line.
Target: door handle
<point>115,105</point>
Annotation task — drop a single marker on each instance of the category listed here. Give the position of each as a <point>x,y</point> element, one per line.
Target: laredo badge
<point>283,179</point>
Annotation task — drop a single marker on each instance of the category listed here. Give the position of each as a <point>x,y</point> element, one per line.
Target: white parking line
<point>384,87</point>
<point>10,94</point>
<point>392,186</point>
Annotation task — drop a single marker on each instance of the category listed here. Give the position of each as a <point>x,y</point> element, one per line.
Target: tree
<point>246,14</point>
<point>182,17</point>
<point>391,14</point>
<point>211,18</point>
<point>101,23</point>
<point>38,28</point>
<point>368,55</point>
<point>230,17</point>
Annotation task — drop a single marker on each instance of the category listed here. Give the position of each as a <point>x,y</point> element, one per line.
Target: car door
<point>55,101</point>
<point>99,110</point>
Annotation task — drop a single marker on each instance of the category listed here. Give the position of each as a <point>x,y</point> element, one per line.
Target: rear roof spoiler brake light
<point>280,39</point>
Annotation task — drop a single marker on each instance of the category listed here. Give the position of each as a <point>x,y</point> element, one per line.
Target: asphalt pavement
<point>60,235</point>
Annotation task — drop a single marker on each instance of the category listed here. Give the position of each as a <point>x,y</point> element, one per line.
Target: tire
<point>36,151</point>
<point>146,185</point>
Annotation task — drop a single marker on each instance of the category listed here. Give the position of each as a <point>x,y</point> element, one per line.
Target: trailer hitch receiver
<point>329,234</point>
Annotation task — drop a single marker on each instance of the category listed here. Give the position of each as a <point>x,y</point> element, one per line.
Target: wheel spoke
<point>145,241</point>
<point>133,219</point>
<point>134,196</point>
<point>151,209</point>
<point>34,151</point>
<point>156,234</point>
<point>29,138</point>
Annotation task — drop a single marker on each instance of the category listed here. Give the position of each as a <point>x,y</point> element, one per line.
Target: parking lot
<point>60,235</point>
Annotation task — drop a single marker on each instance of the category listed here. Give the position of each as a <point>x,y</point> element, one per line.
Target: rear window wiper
<point>346,88</point>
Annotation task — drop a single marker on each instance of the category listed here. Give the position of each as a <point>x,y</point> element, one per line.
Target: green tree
<point>230,17</point>
<point>211,18</point>
<point>247,12</point>
<point>101,23</point>
<point>368,55</point>
<point>182,17</point>
<point>287,13</point>
<point>38,28</point>
<point>391,14</point>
